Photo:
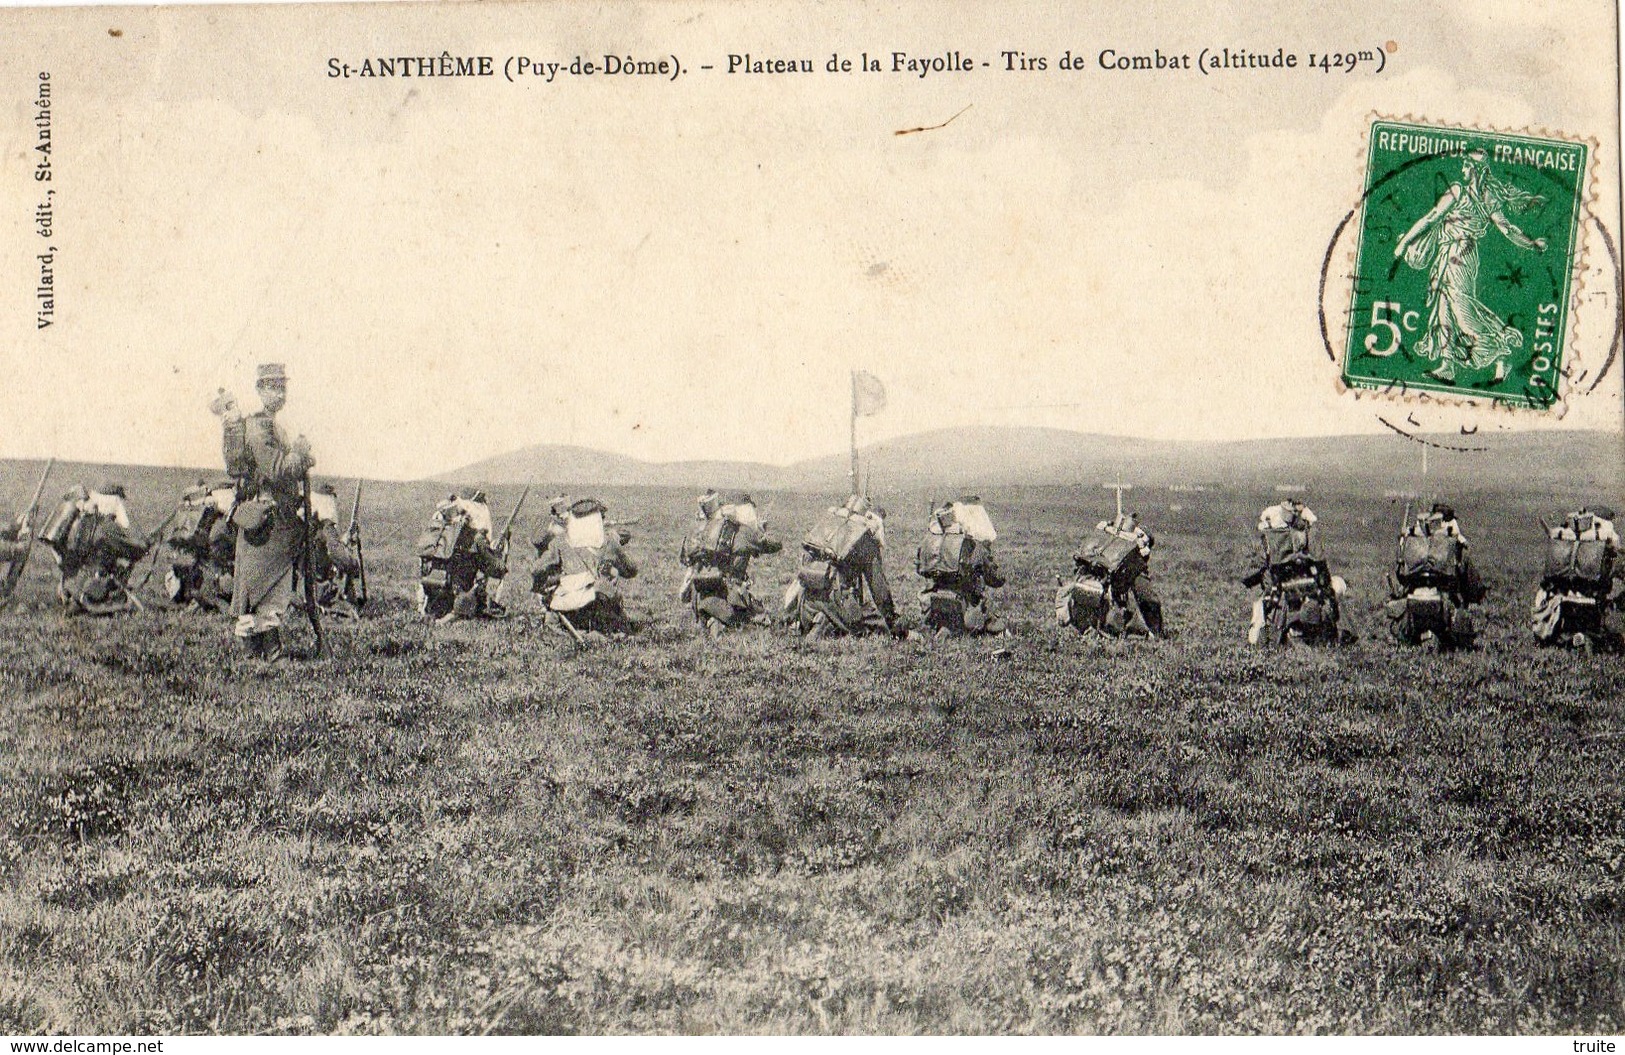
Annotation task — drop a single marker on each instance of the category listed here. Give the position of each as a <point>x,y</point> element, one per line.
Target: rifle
<point>157,544</point>
<point>25,535</point>
<point>352,538</point>
<point>308,560</point>
<point>570,628</point>
<point>506,544</point>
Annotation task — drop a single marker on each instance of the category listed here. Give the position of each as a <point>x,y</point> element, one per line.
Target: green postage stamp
<point>1463,277</point>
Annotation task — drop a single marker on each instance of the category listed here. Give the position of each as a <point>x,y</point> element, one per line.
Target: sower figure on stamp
<point>269,469</point>
<point>1461,331</point>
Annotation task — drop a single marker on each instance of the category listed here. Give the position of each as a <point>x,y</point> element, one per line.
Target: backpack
<point>1592,561</point>
<point>1109,552</point>
<point>190,528</point>
<point>440,541</point>
<point>82,536</point>
<point>841,538</point>
<point>1429,555</point>
<point>1585,560</point>
<point>715,541</point>
<point>195,519</point>
<point>1559,558</point>
<point>57,527</point>
<point>1284,544</point>
<point>585,556</point>
<point>951,553</point>
<point>816,577</point>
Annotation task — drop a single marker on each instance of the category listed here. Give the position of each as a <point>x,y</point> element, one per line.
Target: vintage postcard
<point>923,517</point>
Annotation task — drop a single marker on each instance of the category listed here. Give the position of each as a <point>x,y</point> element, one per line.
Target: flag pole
<point>852,438</point>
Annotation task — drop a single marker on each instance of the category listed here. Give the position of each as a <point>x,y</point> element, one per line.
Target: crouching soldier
<point>1575,604</point>
<point>1433,582</point>
<point>202,543</point>
<point>1109,590</point>
<point>336,559</point>
<point>458,559</point>
<point>96,548</point>
<point>581,561</point>
<point>957,557</point>
<point>718,555</point>
<point>1134,579</point>
<point>841,585</point>
<point>1299,598</point>
<point>270,469</point>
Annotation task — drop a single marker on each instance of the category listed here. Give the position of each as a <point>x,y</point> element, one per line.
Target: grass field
<point>473,828</point>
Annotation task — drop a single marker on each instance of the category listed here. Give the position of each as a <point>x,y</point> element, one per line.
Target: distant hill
<point>563,464</point>
<point>987,456</point>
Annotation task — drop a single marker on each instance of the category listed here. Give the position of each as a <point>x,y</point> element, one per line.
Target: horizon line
<point>443,475</point>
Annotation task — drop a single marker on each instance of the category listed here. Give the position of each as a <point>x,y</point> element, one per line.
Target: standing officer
<point>269,469</point>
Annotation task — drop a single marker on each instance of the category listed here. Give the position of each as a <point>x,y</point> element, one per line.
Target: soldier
<point>1440,519</point>
<point>1575,591</point>
<point>1289,521</point>
<point>580,563</point>
<point>718,556</point>
<point>96,547</point>
<point>459,559</point>
<point>842,569</point>
<point>873,571</point>
<point>202,540</point>
<point>956,557</point>
<point>270,470</point>
<point>545,573</point>
<point>1138,578</point>
<point>333,559</point>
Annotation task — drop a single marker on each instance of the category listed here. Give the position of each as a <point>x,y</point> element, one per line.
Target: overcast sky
<point>453,268</point>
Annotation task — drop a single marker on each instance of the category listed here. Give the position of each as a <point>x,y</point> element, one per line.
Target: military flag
<point>868,398</point>
<point>868,394</point>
